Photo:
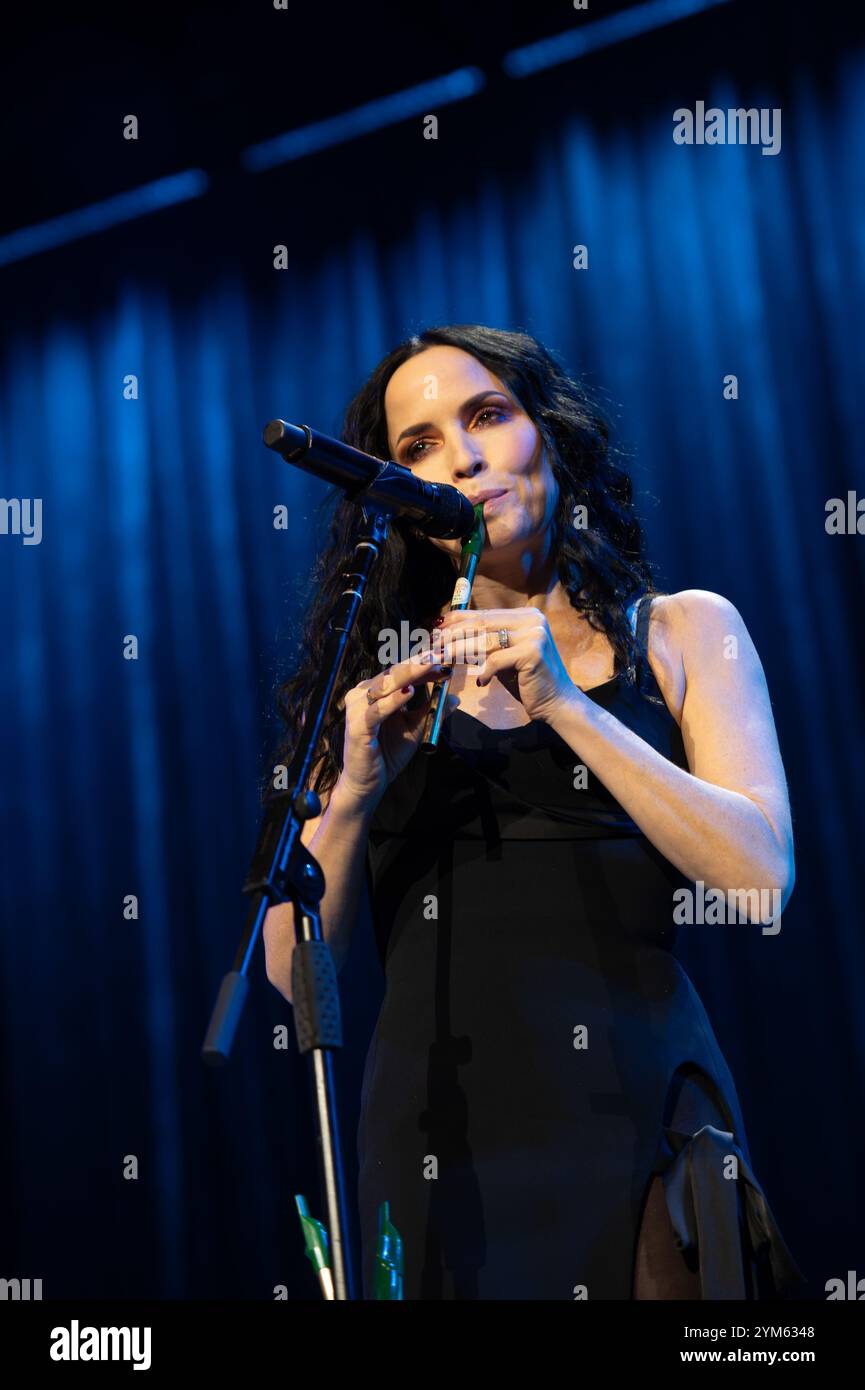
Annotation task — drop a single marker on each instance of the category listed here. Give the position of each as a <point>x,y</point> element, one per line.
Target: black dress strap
<point>644,607</point>
<point>646,679</point>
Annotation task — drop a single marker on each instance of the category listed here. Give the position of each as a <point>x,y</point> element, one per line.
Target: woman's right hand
<point>382,737</point>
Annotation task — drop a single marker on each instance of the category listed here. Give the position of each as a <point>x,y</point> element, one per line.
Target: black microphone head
<point>453,516</point>
<point>272,433</point>
<point>435,508</point>
<point>288,440</point>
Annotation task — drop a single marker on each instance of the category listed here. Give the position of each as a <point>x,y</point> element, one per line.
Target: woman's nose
<point>465,461</point>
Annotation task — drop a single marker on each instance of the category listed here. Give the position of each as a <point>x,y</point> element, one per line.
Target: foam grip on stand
<point>315,996</point>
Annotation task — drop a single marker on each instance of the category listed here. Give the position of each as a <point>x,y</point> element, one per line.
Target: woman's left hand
<point>539,675</point>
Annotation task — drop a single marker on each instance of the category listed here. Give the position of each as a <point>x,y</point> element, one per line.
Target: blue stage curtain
<point>139,777</point>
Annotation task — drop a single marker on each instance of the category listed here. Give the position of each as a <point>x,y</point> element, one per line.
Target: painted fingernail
<point>407,689</point>
<point>479,680</point>
<point>438,622</point>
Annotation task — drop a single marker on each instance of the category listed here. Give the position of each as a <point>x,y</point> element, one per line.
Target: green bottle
<point>317,1246</point>
<point>388,1257</point>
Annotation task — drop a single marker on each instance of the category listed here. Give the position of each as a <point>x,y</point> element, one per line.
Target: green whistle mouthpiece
<point>474,542</point>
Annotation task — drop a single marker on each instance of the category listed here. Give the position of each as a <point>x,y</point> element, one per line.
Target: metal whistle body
<point>469,556</point>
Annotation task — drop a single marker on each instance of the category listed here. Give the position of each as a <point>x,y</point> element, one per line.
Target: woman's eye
<point>490,410</point>
<point>496,410</point>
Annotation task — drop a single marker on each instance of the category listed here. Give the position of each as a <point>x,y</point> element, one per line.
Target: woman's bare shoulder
<point>692,616</point>
<point>678,623</point>
<point>695,629</point>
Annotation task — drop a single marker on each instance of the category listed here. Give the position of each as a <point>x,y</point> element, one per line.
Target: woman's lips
<point>492,502</point>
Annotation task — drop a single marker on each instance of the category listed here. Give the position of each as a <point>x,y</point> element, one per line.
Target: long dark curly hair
<point>602,566</point>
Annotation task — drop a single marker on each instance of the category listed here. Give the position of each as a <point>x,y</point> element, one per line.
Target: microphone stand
<point>283,870</point>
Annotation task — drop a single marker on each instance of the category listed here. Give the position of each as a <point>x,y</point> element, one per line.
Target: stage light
<point>123,207</point>
<point>601,33</point>
<point>373,115</point>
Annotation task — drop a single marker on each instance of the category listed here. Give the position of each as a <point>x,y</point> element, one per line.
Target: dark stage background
<point>140,777</point>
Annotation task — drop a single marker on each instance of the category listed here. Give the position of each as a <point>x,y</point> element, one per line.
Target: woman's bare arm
<point>726,821</point>
<point>381,735</point>
<point>338,840</point>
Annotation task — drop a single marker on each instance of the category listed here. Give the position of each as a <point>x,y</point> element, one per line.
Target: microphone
<point>435,508</point>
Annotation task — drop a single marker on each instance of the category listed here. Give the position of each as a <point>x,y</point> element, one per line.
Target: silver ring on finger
<point>504,639</point>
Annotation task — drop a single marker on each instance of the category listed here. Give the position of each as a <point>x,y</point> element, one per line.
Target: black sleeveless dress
<point>540,1053</point>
